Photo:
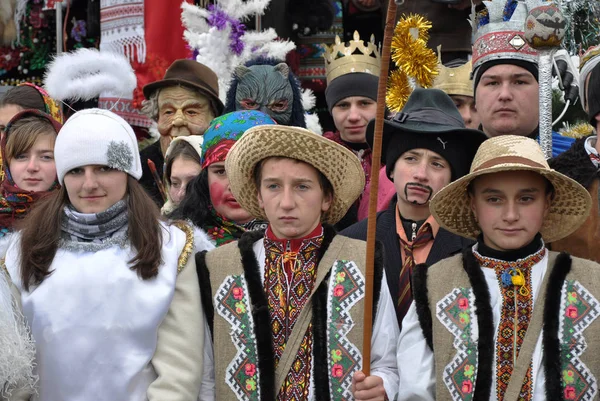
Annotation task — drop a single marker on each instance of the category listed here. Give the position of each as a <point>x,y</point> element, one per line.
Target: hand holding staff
<point>375,166</point>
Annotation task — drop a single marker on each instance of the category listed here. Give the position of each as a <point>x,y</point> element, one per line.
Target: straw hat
<point>341,167</point>
<point>568,210</point>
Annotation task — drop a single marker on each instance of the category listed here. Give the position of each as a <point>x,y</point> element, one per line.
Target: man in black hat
<point>183,103</point>
<point>425,147</point>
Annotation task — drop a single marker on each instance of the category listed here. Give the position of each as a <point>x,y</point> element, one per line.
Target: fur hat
<point>97,136</point>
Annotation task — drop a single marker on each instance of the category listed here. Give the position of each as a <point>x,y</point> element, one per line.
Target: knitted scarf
<point>94,231</point>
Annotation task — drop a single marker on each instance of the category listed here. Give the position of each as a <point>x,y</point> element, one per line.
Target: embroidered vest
<point>572,337</point>
<point>243,350</point>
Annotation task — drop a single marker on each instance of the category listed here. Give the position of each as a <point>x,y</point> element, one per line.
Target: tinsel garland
<point>413,59</point>
<point>398,90</point>
<point>583,24</point>
<point>577,131</point>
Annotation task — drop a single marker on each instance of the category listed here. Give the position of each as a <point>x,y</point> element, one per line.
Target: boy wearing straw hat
<point>582,162</point>
<point>288,304</point>
<point>476,323</point>
<point>426,147</point>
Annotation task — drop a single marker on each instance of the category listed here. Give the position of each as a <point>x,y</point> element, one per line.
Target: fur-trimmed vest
<point>576,164</point>
<point>230,281</point>
<point>454,310</point>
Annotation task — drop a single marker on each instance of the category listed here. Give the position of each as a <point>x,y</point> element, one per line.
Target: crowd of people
<point>228,259</point>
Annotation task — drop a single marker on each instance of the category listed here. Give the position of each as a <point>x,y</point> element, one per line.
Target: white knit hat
<point>96,136</point>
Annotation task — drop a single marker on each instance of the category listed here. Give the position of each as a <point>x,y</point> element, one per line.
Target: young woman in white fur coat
<point>109,290</point>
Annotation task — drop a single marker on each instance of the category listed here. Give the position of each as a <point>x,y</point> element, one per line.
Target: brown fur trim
<point>420,294</point>
<point>205,290</point>
<point>485,321</point>
<point>552,311</point>
<point>260,315</point>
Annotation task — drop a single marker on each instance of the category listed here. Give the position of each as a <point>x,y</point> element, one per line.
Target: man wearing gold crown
<point>454,79</point>
<point>351,95</point>
<point>505,74</point>
<point>582,161</point>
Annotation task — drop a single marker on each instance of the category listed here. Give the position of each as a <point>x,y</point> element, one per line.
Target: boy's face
<point>510,207</point>
<point>291,196</point>
<point>351,117</point>
<point>418,175</point>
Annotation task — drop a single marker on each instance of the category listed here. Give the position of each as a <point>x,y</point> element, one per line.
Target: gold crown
<point>454,80</point>
<point>358,56</point>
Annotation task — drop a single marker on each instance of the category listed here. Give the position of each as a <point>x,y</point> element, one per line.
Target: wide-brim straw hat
<point>569,208</point>
<point>341,167</point>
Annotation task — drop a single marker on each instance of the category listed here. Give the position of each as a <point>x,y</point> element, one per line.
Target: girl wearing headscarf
<point>209,203</point>
<point>27,150</point>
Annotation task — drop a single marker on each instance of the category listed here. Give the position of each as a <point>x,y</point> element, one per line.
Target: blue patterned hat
<point>225,130</point>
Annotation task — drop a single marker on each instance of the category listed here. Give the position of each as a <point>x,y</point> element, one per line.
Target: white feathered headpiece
<point>217,34</point>
<point>86,73</point>
<point>221,40</point>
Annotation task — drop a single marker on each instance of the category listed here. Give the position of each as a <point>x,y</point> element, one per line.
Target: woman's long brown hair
<point>40,234</point>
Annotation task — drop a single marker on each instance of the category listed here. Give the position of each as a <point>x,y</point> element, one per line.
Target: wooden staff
<point>388,32</point>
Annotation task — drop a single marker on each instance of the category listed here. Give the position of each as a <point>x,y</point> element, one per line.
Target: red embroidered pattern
<point>517,307</point>
<point>289,280</point>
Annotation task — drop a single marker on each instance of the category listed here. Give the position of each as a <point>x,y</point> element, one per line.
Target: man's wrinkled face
<point>183,112</point>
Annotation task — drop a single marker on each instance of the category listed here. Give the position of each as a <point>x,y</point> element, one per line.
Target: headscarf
<point>225,130</point>
<point>51,106</point>
<point>16,202</point>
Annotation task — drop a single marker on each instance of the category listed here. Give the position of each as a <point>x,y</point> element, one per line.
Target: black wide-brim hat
<point>191,74</point>
<point>429,120</point>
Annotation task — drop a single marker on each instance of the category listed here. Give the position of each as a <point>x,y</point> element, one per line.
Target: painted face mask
<point>183,112</point>
<point>265,88</point>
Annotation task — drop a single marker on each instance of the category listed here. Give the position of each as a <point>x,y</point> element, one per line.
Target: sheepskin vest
<point>240,320</point>
<point>570,335</point>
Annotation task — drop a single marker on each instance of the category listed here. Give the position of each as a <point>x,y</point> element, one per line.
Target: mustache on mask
<point>416,184</point>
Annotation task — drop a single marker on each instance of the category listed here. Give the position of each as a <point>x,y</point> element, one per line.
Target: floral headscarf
<point>15,202</point>
<point>52,107</point>
<point>225,130</point>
